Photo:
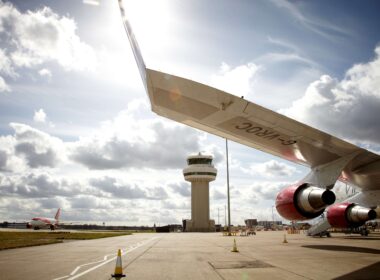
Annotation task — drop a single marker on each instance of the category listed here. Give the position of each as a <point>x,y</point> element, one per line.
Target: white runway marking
<point>105,260</point>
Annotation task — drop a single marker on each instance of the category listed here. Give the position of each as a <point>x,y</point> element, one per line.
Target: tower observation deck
<point>200,172</point>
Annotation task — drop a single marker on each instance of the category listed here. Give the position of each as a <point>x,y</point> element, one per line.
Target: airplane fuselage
<point>41,222</point>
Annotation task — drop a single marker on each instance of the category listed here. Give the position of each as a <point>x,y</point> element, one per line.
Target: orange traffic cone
<point>119,267</point>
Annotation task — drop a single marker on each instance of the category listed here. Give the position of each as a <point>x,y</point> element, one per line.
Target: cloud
<point>3,160</point>
<point>168,150</point>
<point>273,168</point>
<point>128,141</point>
<point>177,205</point>
<point>33,38</point>
<point>121,190</point>
<point>182,188</point>
<point>91,2</point>
<point>111,186</point>
<point>30,148</point>
<point>39,116</point>
<point>34,185</point>
<point>276,57</point>
<point>157,193</point>
<point>266,190</point>
<point>237,81</point>
<point>218,195</point>
<point>90,202</point>
<point>53,202</point>
<point>318,26</point>
<point>44,72</point>
<point>6,64</point>
<point>39,149</point>
<point>346,108</point>
<point>3,85</point>
<point>132,141</point>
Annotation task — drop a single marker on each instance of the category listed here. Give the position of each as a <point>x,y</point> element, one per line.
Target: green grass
<point>11,239</point>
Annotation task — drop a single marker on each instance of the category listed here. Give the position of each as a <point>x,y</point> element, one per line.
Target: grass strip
<point>12,239</point>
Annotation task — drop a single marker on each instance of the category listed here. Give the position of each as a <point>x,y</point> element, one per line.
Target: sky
<point>77,132</point>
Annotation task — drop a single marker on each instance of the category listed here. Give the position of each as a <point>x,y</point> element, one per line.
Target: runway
<point>199,256</point>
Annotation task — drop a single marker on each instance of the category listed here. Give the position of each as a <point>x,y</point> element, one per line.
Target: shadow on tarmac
<point>368,272</point>
<point>344,249</point>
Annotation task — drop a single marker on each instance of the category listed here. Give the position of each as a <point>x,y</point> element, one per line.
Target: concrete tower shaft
<point>200,172</point>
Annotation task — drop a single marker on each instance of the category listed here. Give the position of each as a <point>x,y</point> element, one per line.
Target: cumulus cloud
<point>38,186</point>
<point>121,190</point>
<point>125,142</point>
<point>3,85</point>
<point>44,72</point>
<point>170,147</point>
<point>182,188</point>
<point>29,148</point>
<point>35,37</point>
<point>347,108</point>
<point>6,64</point>
<point>177,205</point>
<point>131,140</point>
<point>217,195</point>
<point>111,186</point>
<point>3,160</point>
<point>39,116</point>
<point>267,190</point>
<point>38,148</point>
<point>273,168</point>
<point>237,81</point>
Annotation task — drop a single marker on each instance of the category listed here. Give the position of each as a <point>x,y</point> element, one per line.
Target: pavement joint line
<point>102,262</point>
<point>276,266</point>
<point>138,256</point>
<point>216,271</point>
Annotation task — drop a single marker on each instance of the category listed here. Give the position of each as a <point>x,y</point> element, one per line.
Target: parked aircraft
<point>329,158</point>
<point>41,222</point>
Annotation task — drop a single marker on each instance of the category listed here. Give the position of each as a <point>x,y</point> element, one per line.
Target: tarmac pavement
<point>199,256</point>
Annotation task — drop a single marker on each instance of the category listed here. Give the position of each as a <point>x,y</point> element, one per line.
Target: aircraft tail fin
<point>135,46</point>
<point>57,214</point>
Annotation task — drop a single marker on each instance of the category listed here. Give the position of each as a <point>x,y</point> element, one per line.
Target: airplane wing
<point>237,119</point>
<point>240,120</point>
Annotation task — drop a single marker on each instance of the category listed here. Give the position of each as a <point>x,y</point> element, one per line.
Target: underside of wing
<point>237,119</point>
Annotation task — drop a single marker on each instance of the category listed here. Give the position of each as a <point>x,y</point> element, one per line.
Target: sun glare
<point>151,22</point>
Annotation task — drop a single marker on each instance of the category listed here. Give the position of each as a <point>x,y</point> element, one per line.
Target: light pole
<point>228,190</point>
<point>225,216</point>
<point>272,217</point>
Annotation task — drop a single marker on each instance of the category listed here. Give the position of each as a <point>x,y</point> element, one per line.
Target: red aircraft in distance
<point>42,222</point>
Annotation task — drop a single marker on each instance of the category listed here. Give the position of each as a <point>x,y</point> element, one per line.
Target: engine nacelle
<point>28,225</point>
<point>345,215</point>
<point>303,202</point>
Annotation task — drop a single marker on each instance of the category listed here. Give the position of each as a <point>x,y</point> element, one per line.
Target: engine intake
<point>302,202</point>
<point>345,215</point>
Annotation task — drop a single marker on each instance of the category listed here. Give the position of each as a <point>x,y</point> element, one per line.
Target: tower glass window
<point>207,161</point>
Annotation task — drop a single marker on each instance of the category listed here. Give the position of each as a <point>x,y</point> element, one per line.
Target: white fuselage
<point>41,222</point>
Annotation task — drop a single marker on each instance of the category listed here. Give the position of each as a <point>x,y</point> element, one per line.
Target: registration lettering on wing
<point>256,132</point>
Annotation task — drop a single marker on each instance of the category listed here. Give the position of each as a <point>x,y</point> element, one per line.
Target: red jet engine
<point>346,215</point>
<point>303,201</point>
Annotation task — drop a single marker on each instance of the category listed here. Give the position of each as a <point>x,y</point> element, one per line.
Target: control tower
<point>200,172</point>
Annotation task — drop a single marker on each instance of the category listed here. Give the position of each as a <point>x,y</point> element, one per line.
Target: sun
<point>151,22</point>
